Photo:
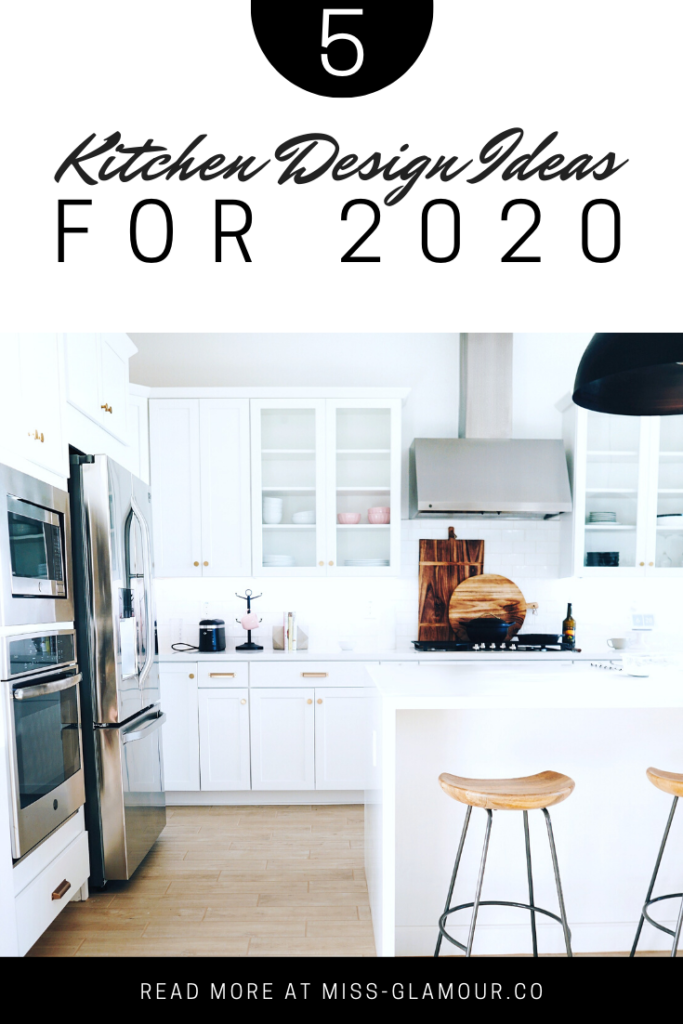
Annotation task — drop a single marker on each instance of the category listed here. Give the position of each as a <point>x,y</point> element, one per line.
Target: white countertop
<point>409,655</point>
<point>570,685</point>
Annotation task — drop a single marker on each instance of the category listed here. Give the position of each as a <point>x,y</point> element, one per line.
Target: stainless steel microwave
<point>35,552</point>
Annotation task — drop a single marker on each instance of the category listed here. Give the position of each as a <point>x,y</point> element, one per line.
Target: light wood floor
<point>232,881</point>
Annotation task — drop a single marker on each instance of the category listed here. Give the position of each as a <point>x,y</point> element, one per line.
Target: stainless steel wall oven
<point>40,680</point>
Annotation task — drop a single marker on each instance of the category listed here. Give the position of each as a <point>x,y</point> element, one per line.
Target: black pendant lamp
<point>632,375</point>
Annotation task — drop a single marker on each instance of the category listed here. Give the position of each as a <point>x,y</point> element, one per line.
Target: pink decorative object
<point>379,516</point>
<point>250,621</point>
<point>348,518</point>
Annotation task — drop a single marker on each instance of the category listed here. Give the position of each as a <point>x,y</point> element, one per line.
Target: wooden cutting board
<point>487,597</point>
<point>444,564</point>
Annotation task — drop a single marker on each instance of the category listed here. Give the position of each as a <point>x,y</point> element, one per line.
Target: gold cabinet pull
<point>243,701</point>
<point>106,407</point>
<point>191,675</point>
<point>309,701</point>
<point>61,890</point>
<point>320,700</point>
<point>37,436</point>
<point>314,675</point>
<point>221,675</point>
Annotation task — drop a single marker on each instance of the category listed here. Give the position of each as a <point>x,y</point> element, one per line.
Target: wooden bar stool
<point>536,792</point>
<point>670,783</point>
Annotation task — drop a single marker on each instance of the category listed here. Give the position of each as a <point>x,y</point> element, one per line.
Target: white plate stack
<point>304,518</point>
<point>603,518</point>
<point>272,511</point>
<point>278,561</point>
<point>366,563</point>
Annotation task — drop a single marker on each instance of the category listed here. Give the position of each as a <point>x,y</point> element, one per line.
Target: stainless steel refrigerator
<point>122,719</point>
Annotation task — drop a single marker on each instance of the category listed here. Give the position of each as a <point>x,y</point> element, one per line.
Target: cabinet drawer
<point>36,908</point>
<point>309,673</point>
<point>223,674</point>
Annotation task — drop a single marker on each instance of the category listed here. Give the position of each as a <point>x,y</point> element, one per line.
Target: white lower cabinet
<point>46,896</point>
<point>179,699</point>
<point>283,739</point>
<point>224,738</point>
<point>342,738</point>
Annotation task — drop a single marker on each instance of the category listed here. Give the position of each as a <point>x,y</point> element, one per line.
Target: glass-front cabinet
<point>627,482</point>
<point>325,487</point>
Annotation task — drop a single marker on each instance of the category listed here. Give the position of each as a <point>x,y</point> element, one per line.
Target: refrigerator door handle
<point>141,734</point>
<point>147,578</point>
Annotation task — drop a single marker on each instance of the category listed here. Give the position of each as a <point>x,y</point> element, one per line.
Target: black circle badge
<point>342,48</point>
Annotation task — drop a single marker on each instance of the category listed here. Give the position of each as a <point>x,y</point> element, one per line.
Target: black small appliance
<point>211,636</point>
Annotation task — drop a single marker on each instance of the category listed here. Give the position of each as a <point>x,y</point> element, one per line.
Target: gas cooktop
<point>522,642</point>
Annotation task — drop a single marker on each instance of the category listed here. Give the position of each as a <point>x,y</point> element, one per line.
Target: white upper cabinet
<point>199,467</point>
<point>314,461</point>
<point>363,480</point>
<point>97,379</point>
<point>288,487</point>
<point>31,383</point>
<point>627,482</point>
<point>175,480</point>
<point>224,472</point>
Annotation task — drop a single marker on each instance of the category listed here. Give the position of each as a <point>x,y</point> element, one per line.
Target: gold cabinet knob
<point>320,700</point>
<point>330,563</point>
<point>191,675</point>
<point>650,563</point>
<point>321,563</point>
<point>642,563</point>
<point>206,563</point>
<point>37,436</point>
<point>196,563</point>
<point>309,701</point>
<point>243,701</point>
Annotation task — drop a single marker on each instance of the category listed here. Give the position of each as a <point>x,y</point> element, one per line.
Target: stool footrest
<point>499,903</point>
<point>658,899</point>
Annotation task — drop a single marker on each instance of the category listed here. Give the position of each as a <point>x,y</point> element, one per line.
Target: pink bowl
<point>348,518</point>
<point>380,508</point>
<point>378,518</point>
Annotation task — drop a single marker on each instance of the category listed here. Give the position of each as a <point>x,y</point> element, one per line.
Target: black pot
<point>487,630</point>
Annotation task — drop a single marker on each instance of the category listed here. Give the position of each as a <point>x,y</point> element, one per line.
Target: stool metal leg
<point>455,873</point>
<point>531,881</point>
<point>480,882</point>
<point>560,897</point>
<point>654,879</point>
<point>677,936</point>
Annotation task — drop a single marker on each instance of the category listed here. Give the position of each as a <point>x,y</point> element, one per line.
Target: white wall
<point>543,370</point>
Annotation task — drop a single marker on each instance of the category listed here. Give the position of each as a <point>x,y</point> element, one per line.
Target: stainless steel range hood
<point>493,478</point>
<point>485,473</point>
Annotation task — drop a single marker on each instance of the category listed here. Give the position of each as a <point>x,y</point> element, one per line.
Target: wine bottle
<point>569,628</point>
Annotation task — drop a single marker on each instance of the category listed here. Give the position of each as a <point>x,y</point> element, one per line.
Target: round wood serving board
<point>486,597</point>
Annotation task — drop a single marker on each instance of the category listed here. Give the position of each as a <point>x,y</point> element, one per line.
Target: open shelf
<point>363,451</point>
<point>288,526</point>
<point>287,490</point>
<point>363,490</point>
<point>609,492</point>
<point>607,526</point>
<point>363,526</point>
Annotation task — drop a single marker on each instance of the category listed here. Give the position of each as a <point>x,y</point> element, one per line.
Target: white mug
<point>617,643</point>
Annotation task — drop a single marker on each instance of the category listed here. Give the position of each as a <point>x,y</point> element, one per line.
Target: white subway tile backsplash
<point>332,608</point>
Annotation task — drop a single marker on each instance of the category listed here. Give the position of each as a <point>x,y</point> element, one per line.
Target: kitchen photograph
<point>285,620</point>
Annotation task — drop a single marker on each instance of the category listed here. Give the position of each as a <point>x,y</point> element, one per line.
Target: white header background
<point>604,74</point>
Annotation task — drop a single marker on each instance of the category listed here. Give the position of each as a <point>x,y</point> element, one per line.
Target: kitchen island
<point>510,719</point>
